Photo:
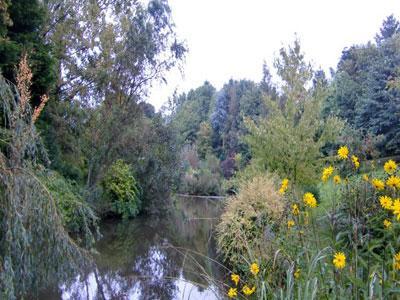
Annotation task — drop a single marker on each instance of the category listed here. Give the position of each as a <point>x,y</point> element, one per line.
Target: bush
<point>250,220</point>
<point>77,215</point>
<point>121,190</point>
<point>341,244</point>
<point>205,179</point>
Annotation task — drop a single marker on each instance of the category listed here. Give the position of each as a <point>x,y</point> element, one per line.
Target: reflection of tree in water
<point>136,255</point>
<point>195,220</point>
<point>143,258</point>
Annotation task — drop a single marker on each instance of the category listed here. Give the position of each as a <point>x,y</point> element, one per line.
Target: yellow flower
<point>387,223</point>
<point>284,186</point>
<point>378,184</point>
<point>339,260</point>
<point>290,224</point>
<point>295,210</point>
<point>232,293</point>
<point>343,152</point>
<point>396,208</point>
<point>386,202</point>
<point>396,205</point>
<point>390,166</point>
<point>310,200</point>
<point>336,179</point>
<point>396,263</point>
<point>297,273</point>
<point>365,177</point>
<point>355,161</point>
<point>248,291</point>
<point>326,173</point>
<point>254,269</point>
<point>393,182</point>
<point>235,278</point>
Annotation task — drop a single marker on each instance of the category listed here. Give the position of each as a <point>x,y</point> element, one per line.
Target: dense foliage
<point>364,90</point>
<point>78,113</point>
<point>36,248</point>
<point>249,221</point>
<point>337,238</point>
<point>78,142</point>
<point>121,190</point>
<point>290,139</point>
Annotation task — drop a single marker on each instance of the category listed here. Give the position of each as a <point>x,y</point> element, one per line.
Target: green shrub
<point>121,190</point>
<point>205,179</point>
<point>250,220</point>
<point>77,215</point>
<point>345,247</point>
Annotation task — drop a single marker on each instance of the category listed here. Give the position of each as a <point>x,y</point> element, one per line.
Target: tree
<point>190,111</point>
<point>289,140</point>
<point>236,101</point>
<point>21,32</point>
<point>111,50</point>
<point>35,246</point>
<point>362,93</point>
<point>389,27</point>
<point>204,140</point>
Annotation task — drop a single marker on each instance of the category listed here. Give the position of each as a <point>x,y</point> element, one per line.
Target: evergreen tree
<point>389,27</point>
<point>361,88</point>
<point>21,30</point>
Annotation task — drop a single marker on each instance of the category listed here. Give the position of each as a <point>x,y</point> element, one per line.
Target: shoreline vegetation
<point>305,163</point>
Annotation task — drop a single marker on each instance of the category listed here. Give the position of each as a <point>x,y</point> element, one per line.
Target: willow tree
<point>35,249</point>
<point>289,140</point>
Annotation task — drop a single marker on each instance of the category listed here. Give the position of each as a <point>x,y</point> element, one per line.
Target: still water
<point>153,258</point>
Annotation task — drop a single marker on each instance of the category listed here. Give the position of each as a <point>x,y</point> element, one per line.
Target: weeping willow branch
<point>35,248</point>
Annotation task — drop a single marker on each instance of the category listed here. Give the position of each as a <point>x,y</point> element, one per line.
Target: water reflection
<point>150,258</point>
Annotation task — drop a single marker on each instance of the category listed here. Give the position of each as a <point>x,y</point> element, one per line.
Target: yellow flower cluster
<point>296,274</point>
<point>232,293</point>
<point>390,167</point>
<point>339,260</point>
<point>290,224</point>
<point>355,161</point>
<point>254,269</point>
<point>386,202</point>
<point>309,200</point>
<point>387,223</point>
<point>378,184</point>
<point>393,182</point>
<point>396,262</point>
<point>343,152</point>
<point>284,186</point>
<point>295,210</point>
<point>235,278</point>
<point>326,173</point>
<point>396,208</point>
<point>248,291</point>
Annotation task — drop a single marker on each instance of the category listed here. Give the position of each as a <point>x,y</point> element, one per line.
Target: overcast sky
<point>231,38</point>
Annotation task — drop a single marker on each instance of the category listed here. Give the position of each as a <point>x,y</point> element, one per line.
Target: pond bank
<point>152,258</point>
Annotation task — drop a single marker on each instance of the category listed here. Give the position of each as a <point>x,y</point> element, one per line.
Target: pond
<point>153,258</point>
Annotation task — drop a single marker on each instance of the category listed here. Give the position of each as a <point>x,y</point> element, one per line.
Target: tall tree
<point>389,27</point>
<point>111,48</point>
<point>21,28</point>
<point>362,93</point>
<point>289,140</point>
<point>190,111</point>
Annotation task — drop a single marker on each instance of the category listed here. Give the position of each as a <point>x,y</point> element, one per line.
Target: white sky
<point>231,38</point>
